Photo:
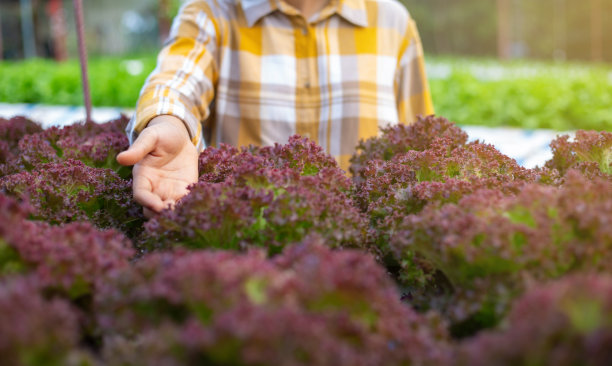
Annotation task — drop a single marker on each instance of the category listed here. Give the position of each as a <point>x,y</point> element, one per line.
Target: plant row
<point>435,251</point>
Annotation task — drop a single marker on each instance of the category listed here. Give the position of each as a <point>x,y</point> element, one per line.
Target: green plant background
<point>48,82</point>
<point>481,92</point>
<point>530,95</point>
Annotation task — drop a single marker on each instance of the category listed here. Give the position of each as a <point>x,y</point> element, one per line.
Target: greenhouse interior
<point>305,182</point>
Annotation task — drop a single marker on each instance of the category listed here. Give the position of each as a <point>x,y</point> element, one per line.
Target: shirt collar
<point>257,9</point>
<point>353,11</point>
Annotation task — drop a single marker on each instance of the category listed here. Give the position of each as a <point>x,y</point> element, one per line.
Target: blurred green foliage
<point>48,82</point>
<point>470,92</point>
<point>530,95</point>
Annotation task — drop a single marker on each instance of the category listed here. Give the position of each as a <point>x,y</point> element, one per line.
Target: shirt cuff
<point>149,109</point>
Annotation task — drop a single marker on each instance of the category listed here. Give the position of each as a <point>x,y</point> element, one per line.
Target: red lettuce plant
<point>429,162</point>
<point>69,259</point>
<point>11,131</point>
<point>565,323</point>
<point>590,152</point>
<point>436,176</point>
<point>34,330</point>
<point>388,186</point>
<point>72,191</point>
<point>463,228</point>
<point>308,306</point>
<point>483,249</point>
<point>299,154</point>
<point>96,145</point>
<point>267,211</point>
<point>400,139</point>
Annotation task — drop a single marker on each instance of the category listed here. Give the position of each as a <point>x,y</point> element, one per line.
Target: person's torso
<point>332,80</point>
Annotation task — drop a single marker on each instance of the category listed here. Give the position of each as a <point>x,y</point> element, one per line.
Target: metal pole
<point>80,25</point>
<point>27,28</point>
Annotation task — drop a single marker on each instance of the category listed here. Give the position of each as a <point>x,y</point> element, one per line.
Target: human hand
<point>165,164</point>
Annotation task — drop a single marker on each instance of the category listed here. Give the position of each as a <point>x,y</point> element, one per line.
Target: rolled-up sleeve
<point>411,87</point>
<point>182,84</point>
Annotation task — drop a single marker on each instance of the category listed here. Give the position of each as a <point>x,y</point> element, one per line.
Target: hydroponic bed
<point>437,251</point>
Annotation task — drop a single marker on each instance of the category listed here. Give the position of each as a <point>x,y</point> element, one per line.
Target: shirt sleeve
<point>182,84</point>
<point>411,86</point>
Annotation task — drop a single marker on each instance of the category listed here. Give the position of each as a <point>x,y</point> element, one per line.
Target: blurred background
<point>537,29</point>
<point>525,63</point>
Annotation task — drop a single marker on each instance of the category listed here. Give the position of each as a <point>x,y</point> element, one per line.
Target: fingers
<point>151,204</point>
<point>148,213</point>
<point>179,193</point>
<point>144,144</point>
<point>143,194</point>
<point>150,198</point>
<point>151,212</point>
<point>169,204</point>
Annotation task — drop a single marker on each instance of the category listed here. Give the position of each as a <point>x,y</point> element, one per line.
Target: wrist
<point>173,121</point>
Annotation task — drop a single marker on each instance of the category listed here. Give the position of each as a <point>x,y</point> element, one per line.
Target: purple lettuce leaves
<point>66,262</point>
<point>14,129</point>
<point>35,330</point>
<point>268,197</point>
<point>568,322</point>
<point>72,191</point>
<point>400,139</point>
<point>590,152</point>
<point>96,145</point>
<point>11,131</point>
<point>516,259</point>
<point>428,163</point>
<point>470,259</point>
<point>69,260</point>
<point>308,306</point>
<point>391,182</point>
<point>441,174</point>
<point>266,211</point>
<point>300,155</point>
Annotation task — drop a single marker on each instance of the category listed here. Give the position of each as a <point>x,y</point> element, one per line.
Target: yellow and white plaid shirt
<point>256,72</point>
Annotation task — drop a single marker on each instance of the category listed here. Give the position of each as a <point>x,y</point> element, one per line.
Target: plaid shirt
<point>256,72</point>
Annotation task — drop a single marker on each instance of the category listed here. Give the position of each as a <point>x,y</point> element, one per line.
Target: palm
<point>166,163</point>
<point>166,175</point>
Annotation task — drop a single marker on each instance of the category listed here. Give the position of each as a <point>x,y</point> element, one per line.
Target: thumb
<point>144,144</point>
